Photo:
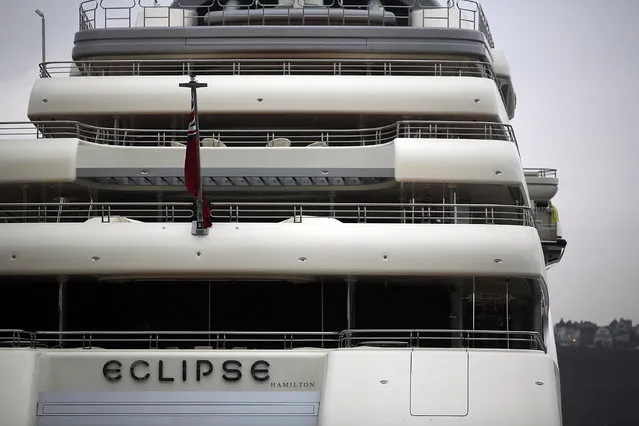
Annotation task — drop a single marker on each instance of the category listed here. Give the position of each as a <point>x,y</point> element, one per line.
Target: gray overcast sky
<point>574,67</point>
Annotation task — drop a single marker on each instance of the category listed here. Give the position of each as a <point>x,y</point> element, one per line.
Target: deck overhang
<point>318,247</point>
<point>161,168</point>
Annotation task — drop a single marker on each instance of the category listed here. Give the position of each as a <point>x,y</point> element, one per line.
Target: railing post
<point>62,283</point>
<point>350,301</point>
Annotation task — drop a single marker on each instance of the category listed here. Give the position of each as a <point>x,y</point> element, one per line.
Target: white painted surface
<point>270,248</point>
<point>446,160</point>
<point>503,385</point>
<point>439,382</point>
<point>354,392</point>
<point>549,334</point>
<point>360,386</point>
<point>542,188</point>
<point>414,160</point>
<point>295,94</point>
<point>80,370</point>
<point>19,370</point>
<point>502,389</point>
<point>92,155</point>
<point>500,63</point>
<point>165,17</point>
<point>38,160</point>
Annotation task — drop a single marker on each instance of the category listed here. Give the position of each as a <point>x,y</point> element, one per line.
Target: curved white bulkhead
<point>94,157</point>
<point>37,160</point>
<point>500,63</point>
<point>542,188</point>
<point>313,247</point>
<point>418,160</point>
<point>295,94</point>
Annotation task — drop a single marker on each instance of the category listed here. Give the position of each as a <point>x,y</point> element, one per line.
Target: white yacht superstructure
<point>378,253</point>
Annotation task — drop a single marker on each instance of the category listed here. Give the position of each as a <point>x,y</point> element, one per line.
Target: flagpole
<point>198,227</point>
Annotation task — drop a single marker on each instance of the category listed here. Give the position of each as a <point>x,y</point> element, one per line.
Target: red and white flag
<point>192,166</point>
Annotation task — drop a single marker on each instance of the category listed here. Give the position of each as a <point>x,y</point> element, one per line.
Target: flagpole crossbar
<point>199,226</point>
<point>193,84</point>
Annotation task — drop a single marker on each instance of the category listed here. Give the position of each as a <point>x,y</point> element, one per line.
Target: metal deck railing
<point>489,214</point>
<point>15,338</point>
<point>179,67</point>
<point>264,212</point>
<point>442,338</point>
<point>467,14</point>
<point>261,137</point>
<point>106,212</point>
<point>400,338</point>
<point>547,229</point>
<point>539,172</point>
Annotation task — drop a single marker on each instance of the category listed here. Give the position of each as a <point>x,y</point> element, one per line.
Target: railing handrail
<point>261,203</point>
<point>285,66</point>
<point>99,204</point>
<point>481,20</point>
<point>540,171</point>
<point>90,12</point>
<point>183,332</point>
<point>430,129</point>
<point>345,338</point>
<point>425,213</point>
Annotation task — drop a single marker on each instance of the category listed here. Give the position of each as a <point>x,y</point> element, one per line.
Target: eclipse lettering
<point>142,371</point>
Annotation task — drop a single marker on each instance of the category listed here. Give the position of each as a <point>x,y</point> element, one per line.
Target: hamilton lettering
<point>142,371</point>
<point>293,385</point>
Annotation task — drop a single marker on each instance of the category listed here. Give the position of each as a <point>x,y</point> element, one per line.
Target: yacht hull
<point>342,387</point>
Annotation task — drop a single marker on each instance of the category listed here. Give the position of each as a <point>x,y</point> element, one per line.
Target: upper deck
<point>352,26</point>
<point>138,39</point>
<point>290,29</point>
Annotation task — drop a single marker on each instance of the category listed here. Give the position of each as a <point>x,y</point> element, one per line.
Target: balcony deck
<point>461,14</point>
<point>153,159</point>
<point>123,137</point>
<point>543,183</point>
<point>269,212</point>
<point>269,66</point>
<point>264,212</point>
